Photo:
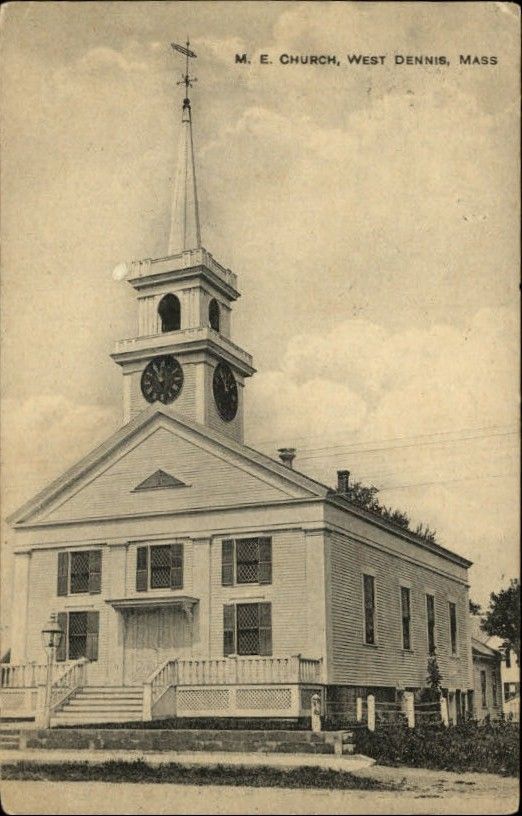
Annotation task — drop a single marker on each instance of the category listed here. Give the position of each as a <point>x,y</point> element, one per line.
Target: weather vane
<point>186,79</point>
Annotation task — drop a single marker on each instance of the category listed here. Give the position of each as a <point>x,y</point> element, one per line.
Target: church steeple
<point>185,232</point>
<point>183,356</point>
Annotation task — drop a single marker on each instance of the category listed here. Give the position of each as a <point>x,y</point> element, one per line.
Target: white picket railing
<point>27,675</point>
<point>73,678</point>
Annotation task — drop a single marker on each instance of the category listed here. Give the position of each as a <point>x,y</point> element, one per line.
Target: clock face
<point>225,392</point>
<point>162,379</point>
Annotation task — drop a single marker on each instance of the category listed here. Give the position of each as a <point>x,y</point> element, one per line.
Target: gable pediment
<point>125,475</point>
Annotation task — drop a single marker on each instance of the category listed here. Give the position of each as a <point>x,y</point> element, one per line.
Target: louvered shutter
<point>229,629</point>
<point>61,651</point>
<point>95,567</point>
<point>142,570</point>
<point>93,623</point>
<point>63,573</point>
<point>227,562</point>
<point>265,560</point>
<point>176,566</point>
<point>265,628</point>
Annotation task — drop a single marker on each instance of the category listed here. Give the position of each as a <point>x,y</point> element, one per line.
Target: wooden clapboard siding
<point>211,480</point>
<point>387,663</point>
<point>492,669</point>
<point>287,594</point>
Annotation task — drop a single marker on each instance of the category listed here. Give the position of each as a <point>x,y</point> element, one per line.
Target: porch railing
<point>73,678</point>
<point>28,675</point>
<point>228,671</point>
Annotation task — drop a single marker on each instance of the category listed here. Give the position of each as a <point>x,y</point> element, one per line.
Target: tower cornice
<point>199,262</point>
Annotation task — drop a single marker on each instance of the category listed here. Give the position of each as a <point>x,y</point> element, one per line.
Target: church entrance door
<point>151,637</point>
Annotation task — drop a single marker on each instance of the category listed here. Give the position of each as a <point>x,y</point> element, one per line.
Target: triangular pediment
<point>157,480</point>
<point>124,476</point>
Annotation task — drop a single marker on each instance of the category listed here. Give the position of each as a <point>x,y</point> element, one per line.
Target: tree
<point>434,677</point>
<point>502,618</point>
<point>474,608</point>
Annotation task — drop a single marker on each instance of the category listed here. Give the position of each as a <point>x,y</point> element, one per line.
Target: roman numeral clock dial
<point>224,387</point>
<point>162,379</point>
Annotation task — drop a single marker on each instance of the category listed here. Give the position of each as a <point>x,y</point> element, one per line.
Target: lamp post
<point>51,638</point>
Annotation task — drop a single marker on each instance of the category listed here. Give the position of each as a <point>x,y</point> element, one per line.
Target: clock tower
<point>183,357</point>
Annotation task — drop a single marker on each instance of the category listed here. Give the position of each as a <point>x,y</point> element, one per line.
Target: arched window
<point>169,310</point>
<point>213,314</point>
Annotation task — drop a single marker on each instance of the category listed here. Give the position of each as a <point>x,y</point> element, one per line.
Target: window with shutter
<point>430,620</point>
<point>160,567</point>
<point>247,560</point>
<point>63,573</point>
<point>176,566</point>
<point>229,629</point>
<point>95,571</point>
<point>61,651</point>
<point>406,618</point>
<point>227,562</point>
<point>142,569</point>
<point>79,562</point>
<point>369,609</point>
<point>453,627</point>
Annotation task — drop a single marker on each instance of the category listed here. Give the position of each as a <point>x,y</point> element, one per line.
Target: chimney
<point>343,481</point>
<point>287,456</point>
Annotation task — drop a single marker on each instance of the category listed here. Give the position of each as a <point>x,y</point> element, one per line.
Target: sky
<point>370,212</point>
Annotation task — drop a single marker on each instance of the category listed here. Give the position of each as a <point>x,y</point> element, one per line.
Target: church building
<point>193,576</point>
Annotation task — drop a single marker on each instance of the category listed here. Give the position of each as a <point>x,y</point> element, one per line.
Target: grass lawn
<point>138,771</point>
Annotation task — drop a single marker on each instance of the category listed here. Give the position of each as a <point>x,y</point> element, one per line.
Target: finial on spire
<point>185,231</point>
<point>186,79</point>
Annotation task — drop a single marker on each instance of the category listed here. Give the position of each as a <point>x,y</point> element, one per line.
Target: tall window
<point>169,310</point>
<point>453,627</point>
<point>80,638</point>
<point>246,561</point>
<point>406,617</point>
<point>508,658</point>
<point>79,572</point>
<point>483,688</point>
<point>213,314</point>
<point>494,687</point>
<point>247,629</point>
<point>369,609</point>
<point>159,567</point>
<point>430,620</point>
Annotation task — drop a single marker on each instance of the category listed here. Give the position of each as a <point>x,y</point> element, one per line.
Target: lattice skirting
<point>244,701</point>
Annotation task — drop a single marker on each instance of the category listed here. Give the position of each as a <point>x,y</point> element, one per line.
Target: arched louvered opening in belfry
<point>169,310</point>
<point>213,314</point>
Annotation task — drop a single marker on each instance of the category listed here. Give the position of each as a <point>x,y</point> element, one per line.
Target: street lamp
<point>51,638</point>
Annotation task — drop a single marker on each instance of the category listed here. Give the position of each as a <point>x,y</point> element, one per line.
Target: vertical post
<point>359,709</point>
<point>444,711</point>
<point>147,702</point>
<point>316,712</point>
<point>409,708</point>
<point>371,712</point>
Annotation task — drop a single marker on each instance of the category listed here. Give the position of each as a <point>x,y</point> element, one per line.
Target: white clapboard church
<point>195,577</point>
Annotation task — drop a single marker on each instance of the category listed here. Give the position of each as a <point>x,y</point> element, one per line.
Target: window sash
<point>483,688</point>
<point>453,627</point>
<point>247,629</point>
<point>406,617</point>
<point>369,609</point>
<point>430,622</point>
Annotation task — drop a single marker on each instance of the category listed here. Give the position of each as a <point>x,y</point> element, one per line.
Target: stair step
<point>83,705</point>
<point>93,720</point>
<point>98,695</point>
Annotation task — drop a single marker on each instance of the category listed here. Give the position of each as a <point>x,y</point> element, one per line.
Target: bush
<point>483,748</point>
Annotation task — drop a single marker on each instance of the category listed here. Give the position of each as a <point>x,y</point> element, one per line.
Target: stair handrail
<point>64,686</point>
<point>157,683</point>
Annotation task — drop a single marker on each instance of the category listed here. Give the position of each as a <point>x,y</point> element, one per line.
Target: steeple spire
<point>185,231</point>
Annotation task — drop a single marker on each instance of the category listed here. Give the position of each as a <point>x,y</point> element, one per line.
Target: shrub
<point>488,748</point>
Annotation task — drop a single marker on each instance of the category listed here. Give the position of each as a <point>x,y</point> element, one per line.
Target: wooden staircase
<point>100,704</point>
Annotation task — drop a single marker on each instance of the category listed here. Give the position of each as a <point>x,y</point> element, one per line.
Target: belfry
<point>183,356</point>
